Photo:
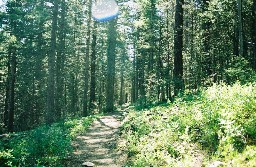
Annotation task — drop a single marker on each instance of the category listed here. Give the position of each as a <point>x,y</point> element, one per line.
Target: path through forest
<point>99,144</point>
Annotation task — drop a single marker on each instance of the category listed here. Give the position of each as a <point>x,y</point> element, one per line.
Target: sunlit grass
<point>43,146</point>
<point>218,125</point>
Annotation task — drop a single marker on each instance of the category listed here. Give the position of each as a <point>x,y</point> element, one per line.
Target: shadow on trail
<point>99,144</point>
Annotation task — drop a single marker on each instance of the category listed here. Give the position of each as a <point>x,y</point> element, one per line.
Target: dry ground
<point>99,144</point>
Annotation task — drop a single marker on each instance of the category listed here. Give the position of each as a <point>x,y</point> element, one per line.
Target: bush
<point>240,70</point>
<point>44,146</point>
<point>6,158</point>
<point>218,124</point>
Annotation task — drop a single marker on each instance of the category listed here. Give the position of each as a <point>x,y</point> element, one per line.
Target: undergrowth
<point>218,125</point>
<point>43,146</point>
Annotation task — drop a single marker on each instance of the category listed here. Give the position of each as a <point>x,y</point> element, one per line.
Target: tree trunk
<point>74,95</point>
<point>152,38</point>
<point>178,45</point>
<point>254,33</point>
<point>102,80</point>
<point>11,93</point>
<point>50,115</point>
<point>121,94</point>
<point>39,72</point>
<point>133,81</point>
<point>60,64</point>
<point>207,62</point>
<point>140,66</point>
<point>168,77</point>
<point>160,72</point>
<point>11,64</point>
<point>86,63</point>
<point>134,94</point>
<point>240,28</point>
<point>235,40</point>
<point>111,65</point>
<point>6,108</point>
<point>93,69</point>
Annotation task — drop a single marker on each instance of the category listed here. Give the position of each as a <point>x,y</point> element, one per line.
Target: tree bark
<point>134,94</point>
<point>160,72</point>
<point>12,65</point>
<point>254,33</point>
<point>235,40</point>
<point>140,66</point>
<point>60,64</point>
<point>207,62</point>
<point>178,46</point>
<point>93,69</point>
<point>74,94</point>
<point>50,115</point>
<point>39,72</point>
<point>240,28</point>
<point>102,80</point>
<point>111,65</point>
<point>86,63</point>
<point>6,108</point>
<point>152,38</point>
<point>168,77</point>
<point>11,93</point>
<point>121,93</point>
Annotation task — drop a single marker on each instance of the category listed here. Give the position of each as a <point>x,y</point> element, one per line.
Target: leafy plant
<point>43,146</point>
<point>218,124</point>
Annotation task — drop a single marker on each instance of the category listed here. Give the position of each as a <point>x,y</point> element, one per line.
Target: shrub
<point>239,70</point>
<point>6,158</point>
<point>43,146</point>
<point>218,124</point>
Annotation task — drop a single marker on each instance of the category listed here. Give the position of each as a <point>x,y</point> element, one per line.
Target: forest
<point>179,77</point>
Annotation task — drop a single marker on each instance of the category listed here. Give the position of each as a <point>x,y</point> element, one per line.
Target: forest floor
<point>98,144</point>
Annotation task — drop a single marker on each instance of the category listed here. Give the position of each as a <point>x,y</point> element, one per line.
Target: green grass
<point>43,146</point>
<point>219,124</point>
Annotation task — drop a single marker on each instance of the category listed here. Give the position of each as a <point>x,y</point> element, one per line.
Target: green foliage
<point>5,156</point>
<point>240,70</point>
<point>44,146</point>
<point>217,124</point>
<point>51,144</point>
<point>78,126</point>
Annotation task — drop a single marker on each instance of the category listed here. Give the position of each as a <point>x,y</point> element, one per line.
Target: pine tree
<point>178,46</point>
<point>93,69</point>
<point>86,63</point>
<point>51,115</point>
<point>111,55</point>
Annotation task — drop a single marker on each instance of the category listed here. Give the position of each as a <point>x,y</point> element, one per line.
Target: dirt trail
<point>99,144</point>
